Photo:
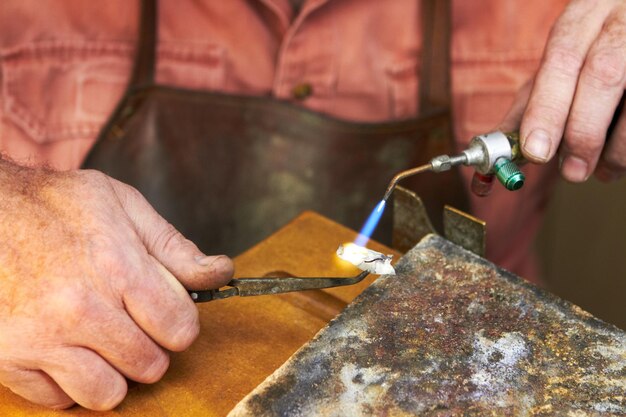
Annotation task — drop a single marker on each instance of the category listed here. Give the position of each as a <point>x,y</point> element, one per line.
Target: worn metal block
<point>451,334</point>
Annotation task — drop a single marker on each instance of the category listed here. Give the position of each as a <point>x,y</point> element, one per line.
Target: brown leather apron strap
<point>435,71</point>
<point>145,58</point>
<point>142,74</point>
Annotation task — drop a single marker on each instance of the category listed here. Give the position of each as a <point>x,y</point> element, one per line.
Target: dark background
<point>582,247</point>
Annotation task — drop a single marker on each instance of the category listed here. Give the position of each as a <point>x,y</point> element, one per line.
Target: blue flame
<point>370,225</point>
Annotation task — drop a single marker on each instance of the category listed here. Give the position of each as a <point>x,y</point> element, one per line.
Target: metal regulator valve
<point>492,155</point>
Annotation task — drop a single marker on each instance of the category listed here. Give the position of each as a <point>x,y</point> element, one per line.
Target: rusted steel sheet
<point>410,220</point>
<point>465,230</point>
<point>451,334</point>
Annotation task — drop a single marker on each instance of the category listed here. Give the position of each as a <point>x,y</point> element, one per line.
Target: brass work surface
<point>242,340</point>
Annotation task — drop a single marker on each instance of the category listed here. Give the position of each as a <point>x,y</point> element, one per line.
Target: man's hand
<point>91,287</point>
<point>576,93</point>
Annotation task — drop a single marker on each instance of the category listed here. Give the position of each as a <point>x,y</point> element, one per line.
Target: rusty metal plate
<point>410,220</point>
<point>465,230</point>
<point>451,335</point>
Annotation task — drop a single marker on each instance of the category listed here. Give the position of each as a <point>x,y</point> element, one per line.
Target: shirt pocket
<point>403,88</point>
<point>200,66</point>
<point>59,90</point>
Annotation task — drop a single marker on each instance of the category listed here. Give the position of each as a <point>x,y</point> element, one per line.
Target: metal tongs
<point>245,287</point>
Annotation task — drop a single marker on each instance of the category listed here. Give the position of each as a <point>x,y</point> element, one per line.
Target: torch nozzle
<point>437,164</point>
<point>402,175</point>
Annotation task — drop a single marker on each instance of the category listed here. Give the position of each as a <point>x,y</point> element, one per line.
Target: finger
<point>612,164</point>
<point>599,90</point>
<point>37,387</point>
<point>87,378</point>
<point>555,83</point>
<point>178,254</point>
<point>160,305</point>
<point>513,118</point>
<point>100,321</point>
<point>110,332</point>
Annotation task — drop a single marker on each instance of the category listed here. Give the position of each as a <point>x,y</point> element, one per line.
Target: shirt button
<point>302,91</point>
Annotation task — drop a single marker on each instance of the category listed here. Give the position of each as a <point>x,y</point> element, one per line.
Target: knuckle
<point>93,177</point>
<point>605,69</point>
<point>169,239</point>
<point>90,173</point>
<point>73,306</point>
<point>154,369</point>
<point>106,403</point>
<point>106,395</point>
<point>112,267</point>
<point>131,191</point>
<point>583,139</point>
<point>133,352</point>
<point>546,110</point>
<point>186,332</point>
<point>128,194</point>
<point>562,58</point>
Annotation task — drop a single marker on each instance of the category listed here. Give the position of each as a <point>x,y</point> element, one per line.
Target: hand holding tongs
<point>245,287</point>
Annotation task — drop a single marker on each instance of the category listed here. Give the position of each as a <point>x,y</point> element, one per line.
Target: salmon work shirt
<point>64,65</point>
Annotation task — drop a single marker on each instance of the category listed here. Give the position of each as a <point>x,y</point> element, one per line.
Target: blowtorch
<point>494,154</point>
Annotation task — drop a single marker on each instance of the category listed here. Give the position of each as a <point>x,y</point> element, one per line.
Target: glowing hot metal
<point>366,259</point>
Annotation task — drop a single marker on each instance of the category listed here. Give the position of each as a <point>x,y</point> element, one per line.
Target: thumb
<point>179,255</point>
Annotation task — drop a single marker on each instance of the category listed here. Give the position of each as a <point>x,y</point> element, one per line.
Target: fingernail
<point>217,262</point>
<point>204,260</point>
<point>537,144</point>
<point>221,262</point>
<point>574,169</point>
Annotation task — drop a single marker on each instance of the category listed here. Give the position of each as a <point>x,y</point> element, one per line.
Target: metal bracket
<point>410,220</point>
<point>465,230</point>
<point>411,223</point>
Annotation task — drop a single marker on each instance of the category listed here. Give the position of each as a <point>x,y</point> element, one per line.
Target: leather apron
<point>228,170</point>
